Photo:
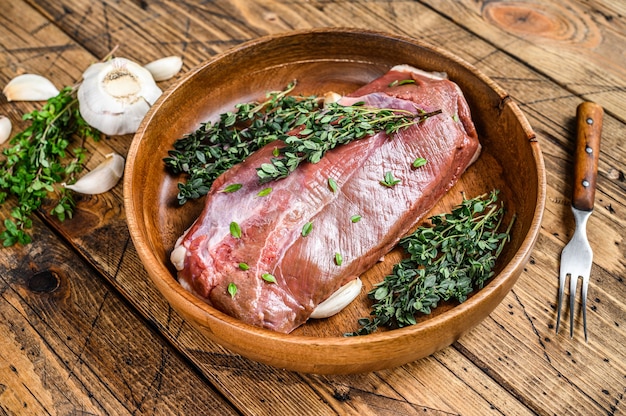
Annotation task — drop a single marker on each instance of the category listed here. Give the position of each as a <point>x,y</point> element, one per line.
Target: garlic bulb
<point>101,179</point>
<point>30,87</point>
<point>165,68</point>
<point>5,128</point>
<point>338,300</point>
<point>116,95</point>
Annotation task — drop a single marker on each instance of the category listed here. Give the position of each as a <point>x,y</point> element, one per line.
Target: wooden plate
<point>339,60</point>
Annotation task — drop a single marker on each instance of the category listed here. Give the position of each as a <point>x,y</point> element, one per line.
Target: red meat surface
<point>305,268</point>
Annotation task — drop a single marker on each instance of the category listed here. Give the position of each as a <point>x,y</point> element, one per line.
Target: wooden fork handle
<point>589,129</point>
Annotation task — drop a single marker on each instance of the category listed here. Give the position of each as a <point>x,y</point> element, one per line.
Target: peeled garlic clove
<point>331,97</point>
<point>116,95</point>
<point>165,68</point>
<point>338,300</point>
<point>5,128</point>
<point>30,87</point>
<point>101,179</point>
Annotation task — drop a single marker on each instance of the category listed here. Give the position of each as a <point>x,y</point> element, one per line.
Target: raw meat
<point>305,268</point>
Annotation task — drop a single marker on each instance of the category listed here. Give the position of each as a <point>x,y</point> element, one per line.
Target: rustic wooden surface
<point>83,330</point>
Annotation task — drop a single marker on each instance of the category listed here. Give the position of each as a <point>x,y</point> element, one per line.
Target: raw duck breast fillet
<point>207,256</point>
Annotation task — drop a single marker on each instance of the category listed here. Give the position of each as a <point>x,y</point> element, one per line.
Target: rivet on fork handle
<point>589,127</point>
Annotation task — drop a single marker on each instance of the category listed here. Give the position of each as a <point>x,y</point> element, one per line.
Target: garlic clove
<point>30,87</point>
<point>101,179</point>
<point>338,300</point>
<point>331,97</point>
<point>177,257</point>
<point>5,128</point>
<point>115,96</point>
<point>165,68</point>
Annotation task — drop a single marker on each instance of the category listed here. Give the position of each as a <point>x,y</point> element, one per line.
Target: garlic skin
<point>116,95</point>
<point>5,128</point>
<point>165,68</point>
<point>101,179</point>
<point>30,87</point>
<point>338,300</point>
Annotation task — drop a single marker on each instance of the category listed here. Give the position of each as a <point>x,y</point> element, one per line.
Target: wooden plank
<point>71,344</point>
<point>549,36</point>
<point>99,230</point>
<point>484,353</point>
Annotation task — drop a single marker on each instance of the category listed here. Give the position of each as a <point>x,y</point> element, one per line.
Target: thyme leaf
<point>232,188</point>
<point>389,180</point>
<point>446,261</point>
<point>232,289</point>
<point>332,184</point>
<point>307,228</point>
<point>268,277</point>
<point>235,230</point>
<point>419,162</point>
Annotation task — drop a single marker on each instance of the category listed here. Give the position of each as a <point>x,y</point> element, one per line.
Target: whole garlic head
<point>116,95</point>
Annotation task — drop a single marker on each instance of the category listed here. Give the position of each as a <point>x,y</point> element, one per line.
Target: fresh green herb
<point>307,228</point>
<point>307,127</point>
<point>39,160</point>
<point>338,259</point>
<point>355,218</point>
<point>244,266</point>
<point>401,82</point>
<point>333,126</point>
<point>419,162</point>
<point>269,278</point>
<point>389,181</point>
<point>235,230</point>
<point>232,289</point>
<point>232,188</point>
<point>264,192</point>
<point>332,184</point>
<point>455,117</point>
<point>216,147</point>
<point>446,261</point>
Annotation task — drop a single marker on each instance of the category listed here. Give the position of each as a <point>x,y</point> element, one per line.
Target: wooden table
<point>82,329</point>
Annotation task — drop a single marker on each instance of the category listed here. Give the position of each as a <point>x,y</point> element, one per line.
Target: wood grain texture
<point>549,56</point>
<point>573,43</point>
<point>70,344</point>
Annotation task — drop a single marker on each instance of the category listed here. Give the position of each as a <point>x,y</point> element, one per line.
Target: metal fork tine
<point>562,277</point>
<point>584,304</point>
<point>573,282</point>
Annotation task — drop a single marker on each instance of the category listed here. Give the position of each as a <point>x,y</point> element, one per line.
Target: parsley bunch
<point>446,261</point>
<point>39,159</point>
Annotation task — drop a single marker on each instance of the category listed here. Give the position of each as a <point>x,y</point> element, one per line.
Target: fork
<point>577,255</point>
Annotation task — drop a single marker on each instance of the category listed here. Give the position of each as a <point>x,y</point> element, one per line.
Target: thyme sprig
<point>40,159</point>
<point>445,262</point>
<point>318,132</point>
<point>307,127</point>
<point>217,146</point>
